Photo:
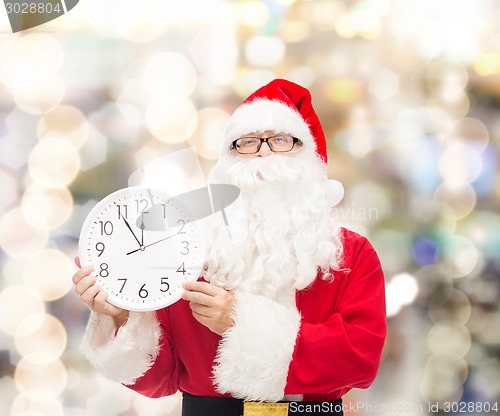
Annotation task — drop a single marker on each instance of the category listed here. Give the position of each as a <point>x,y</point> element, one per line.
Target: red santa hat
<point>281,106</point>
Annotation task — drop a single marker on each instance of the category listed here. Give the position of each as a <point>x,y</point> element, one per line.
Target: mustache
<point>275,169</point>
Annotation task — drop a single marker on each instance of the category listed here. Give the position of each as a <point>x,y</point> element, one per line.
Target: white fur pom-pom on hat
<point>335,192</point>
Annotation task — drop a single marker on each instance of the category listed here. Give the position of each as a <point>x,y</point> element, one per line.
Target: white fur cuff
<point>254,355</point>
<point>129,354</point>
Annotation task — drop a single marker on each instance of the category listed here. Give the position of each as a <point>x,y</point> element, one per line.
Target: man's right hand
<point>94,297</point>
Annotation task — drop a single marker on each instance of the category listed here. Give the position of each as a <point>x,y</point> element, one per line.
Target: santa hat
<point>281,106</point>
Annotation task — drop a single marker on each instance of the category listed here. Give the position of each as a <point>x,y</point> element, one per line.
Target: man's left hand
<point>212,306</point>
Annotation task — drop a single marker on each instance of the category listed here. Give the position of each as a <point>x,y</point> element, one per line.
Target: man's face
<point>265,148</point>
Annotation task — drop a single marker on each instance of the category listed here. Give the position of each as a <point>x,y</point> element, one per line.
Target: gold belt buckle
<point>265,409</point>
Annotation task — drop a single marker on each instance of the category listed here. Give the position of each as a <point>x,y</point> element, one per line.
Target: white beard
<point>281,231</point>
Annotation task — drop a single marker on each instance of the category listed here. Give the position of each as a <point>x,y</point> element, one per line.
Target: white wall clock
<point>143,245</point>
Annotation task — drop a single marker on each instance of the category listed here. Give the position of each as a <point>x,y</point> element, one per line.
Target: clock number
<point>123,285</point>
<point>185,249</point>
<point>100,247</point>
<point>181,269</point>
<point>141,205</point>
<point>164,282</point>
<point>182,226</point>
<point>125,209</point>
<point>143,293</point>
<point>106,227</point>
<point>104,270</point>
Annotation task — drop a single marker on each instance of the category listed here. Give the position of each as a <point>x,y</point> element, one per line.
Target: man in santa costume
<point>290,309</point>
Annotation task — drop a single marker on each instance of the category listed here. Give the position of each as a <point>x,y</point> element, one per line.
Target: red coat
<point>338,345</point>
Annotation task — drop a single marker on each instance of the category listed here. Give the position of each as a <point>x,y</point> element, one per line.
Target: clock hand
<point>142,229</point>
<point>156,242</point>
<point>130,228</point>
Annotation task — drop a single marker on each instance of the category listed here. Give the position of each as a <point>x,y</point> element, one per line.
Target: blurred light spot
<point>214,51</point>
<point>362,136</point>
<point>321,14</point>
<point>302,75</point>
<point>286,2</point>
<point>146,154</point>
<point>46,208</point>
<point>473,132</point>
<point>248,81</point>
<point>422,172</point>
<point>252,13</point>
<point>9,189</point>
<point>424,251</point>
<point>35,402</point>
<point>48,274</point>
<point>344,90</point>
<point>265,51</point>
<point>41,333</point>
<point>449,305</point>
<point>167,74</point>
<point>39,97</point>
<point>294,30</point>
<point>431,279</point>
<point>23,62</point>
<point>487,64</point>
<point>64,121</point>
<point>440,80</point>
<point>484,184</point>
<point>182,167</point>
<point>460,164</point>
<point>16,303</point>
<point>461,199</point>
<point>449,113</point>
<point>118,121</point>
<point>17,144</point>
<point>488,334</point>
<point>136,20</point>
<point>207,137</point>
<point>393,248</point>
<point>93,152</point>
<point>484,230</point>
<point>486,380</point>
<point>384,84</point>
<point>18,238</point>
<point>358,23</point>
<point>367,201</point>
<point>482,292</point>
<point>451,77</point>
<point>401,290</point>
<point>434,220</point>
<point>443,378</point>
<point>42,372</point>
<point>171,120</point>
<point>54,163</point>
<point>449,338</point>
<point>457,256</point>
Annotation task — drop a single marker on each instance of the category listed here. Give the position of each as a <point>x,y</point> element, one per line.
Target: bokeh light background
<point>409,95</point>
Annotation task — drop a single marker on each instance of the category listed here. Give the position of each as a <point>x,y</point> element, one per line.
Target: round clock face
<point>143,245</point>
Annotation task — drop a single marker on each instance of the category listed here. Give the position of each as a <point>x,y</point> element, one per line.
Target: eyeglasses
<point>278,144</point>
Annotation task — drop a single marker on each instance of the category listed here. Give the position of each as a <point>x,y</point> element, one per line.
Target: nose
<point>264,150</point>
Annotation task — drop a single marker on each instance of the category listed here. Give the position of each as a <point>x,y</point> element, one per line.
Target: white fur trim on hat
<point>260,115</point>
<point>126,356</point>
<point>254,355</point>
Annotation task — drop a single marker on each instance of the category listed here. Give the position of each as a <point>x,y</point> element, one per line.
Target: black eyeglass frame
<point>265,139</point>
